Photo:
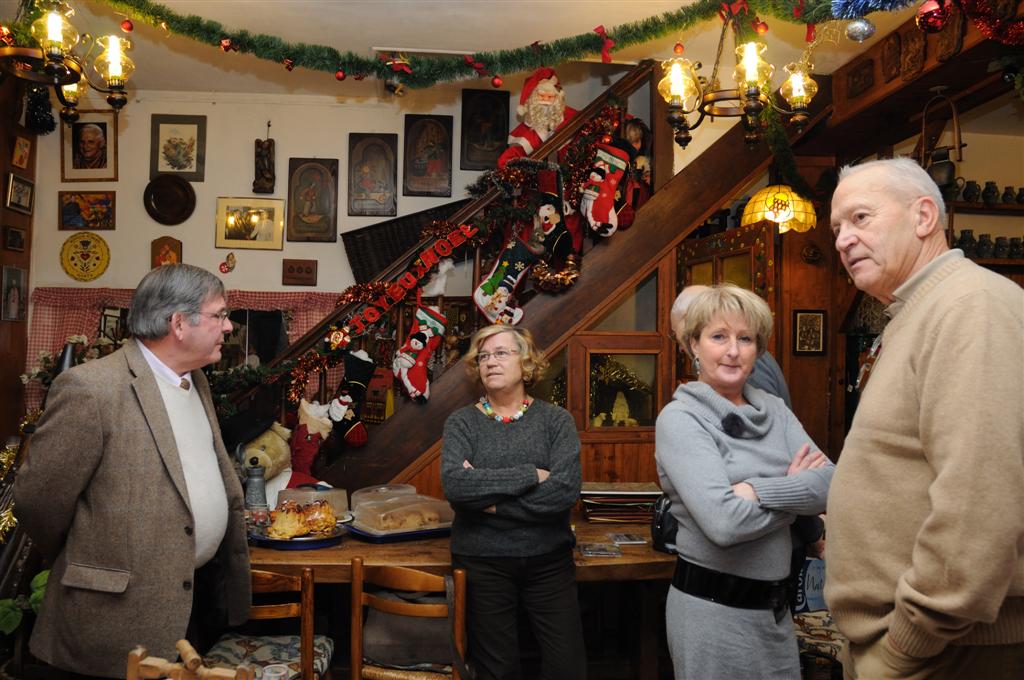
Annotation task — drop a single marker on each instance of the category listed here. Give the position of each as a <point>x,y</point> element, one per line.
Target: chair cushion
<point>232,650</point>
<point>816,632</point>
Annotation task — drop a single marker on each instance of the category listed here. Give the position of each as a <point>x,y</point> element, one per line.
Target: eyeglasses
<point>501,355</point>
<point>218,316</point>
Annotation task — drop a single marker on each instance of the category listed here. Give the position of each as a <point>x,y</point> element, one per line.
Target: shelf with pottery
<point>977,208</point>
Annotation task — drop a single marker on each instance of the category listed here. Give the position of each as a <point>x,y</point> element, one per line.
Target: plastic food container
<point>403,513</point>
<point>381,493</point>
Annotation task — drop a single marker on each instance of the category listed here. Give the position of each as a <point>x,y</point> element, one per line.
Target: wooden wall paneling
<point>621,462</point>
<point>14,334</point>
<point>806,268</point>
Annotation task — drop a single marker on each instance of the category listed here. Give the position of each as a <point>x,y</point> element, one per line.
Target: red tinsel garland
<point>361,292</point>
<point>1008,32</point>
<point>309,364</point>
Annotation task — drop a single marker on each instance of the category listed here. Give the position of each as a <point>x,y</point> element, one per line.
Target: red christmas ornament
<point>496,81</point>
<point>127,26</point>
<point>678,49</point>
<point>932,15</point>
<point>339,75</point>
<point>289,63</point>
<point>759,26</point>
<point>468,58</point>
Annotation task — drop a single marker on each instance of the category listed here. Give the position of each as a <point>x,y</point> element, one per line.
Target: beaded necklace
<point>489,412</point>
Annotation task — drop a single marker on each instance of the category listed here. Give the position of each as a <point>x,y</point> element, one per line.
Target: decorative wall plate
<point>169,199</point>
<point>84,256</point>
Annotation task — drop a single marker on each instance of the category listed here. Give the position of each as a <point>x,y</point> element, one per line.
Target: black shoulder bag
<point>663,526</point>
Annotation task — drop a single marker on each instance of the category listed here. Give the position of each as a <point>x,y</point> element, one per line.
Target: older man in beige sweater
<point>926,512</point>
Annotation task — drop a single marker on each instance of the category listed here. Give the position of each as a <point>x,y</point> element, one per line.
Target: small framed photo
<point>253,223</point>
<point>20,194</point>
<point>164,250</point>
<point>428,156</point>
<point>21,153</point>
<point>313,199</point>
<point>15,291</point>
<point>484,128</point>
<point>298,272</point>
<point>88,148</point>
<point>14,239</point>
<point>79,210</point>
<point>177,145</point>
<point>809,331</point>
<point>372,174</point>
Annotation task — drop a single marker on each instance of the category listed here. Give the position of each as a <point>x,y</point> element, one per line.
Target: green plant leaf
<point>10,616</point>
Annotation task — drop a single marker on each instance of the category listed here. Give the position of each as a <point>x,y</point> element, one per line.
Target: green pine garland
<point>429,71</point>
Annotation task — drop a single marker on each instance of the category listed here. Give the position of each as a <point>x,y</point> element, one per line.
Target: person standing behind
<point>926,517</point>
<point>738,468</point>
<point>510,466</point>
<point>127,489</point>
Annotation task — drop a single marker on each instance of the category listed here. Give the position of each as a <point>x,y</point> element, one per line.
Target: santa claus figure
<point>543,110</point>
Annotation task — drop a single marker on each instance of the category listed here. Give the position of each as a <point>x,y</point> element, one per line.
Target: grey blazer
<point>103,496</point>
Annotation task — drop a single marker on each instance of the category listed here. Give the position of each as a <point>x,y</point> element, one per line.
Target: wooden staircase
<point>410,440</point>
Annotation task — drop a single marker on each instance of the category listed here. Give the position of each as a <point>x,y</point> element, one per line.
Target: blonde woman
<point>510,467</point>
<point>739,468</point>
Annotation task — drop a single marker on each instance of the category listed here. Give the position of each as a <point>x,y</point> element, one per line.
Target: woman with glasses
<point>739,469</point>
<point>511,470</point>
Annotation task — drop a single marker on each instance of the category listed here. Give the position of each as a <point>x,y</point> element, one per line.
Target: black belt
<point>730,590</point>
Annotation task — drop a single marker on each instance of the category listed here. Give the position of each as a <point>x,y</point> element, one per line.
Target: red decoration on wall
<point>759,26</point>
<point>339,75</point>
<point>932,15</point>
<point>606,46</point>
<point>678,49</point>
<point>228,45</point>
<point>810,34</point>
<point>496,81</point>
<point>289,63</point>
<point>1007,32</point>
<point>127,26</point>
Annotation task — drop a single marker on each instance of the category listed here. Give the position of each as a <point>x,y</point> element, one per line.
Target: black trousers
<point>546,586</point>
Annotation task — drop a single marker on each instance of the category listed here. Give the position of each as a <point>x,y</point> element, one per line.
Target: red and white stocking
<point>598,201</point>
<point>410,363</point>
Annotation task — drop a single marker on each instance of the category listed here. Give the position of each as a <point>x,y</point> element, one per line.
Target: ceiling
<point>169,62</point>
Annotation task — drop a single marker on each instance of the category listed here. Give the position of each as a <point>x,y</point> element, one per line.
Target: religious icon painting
<point>372,174</point>
<point>484,126</point>
<point>428,156</point>
<point>313,199</point>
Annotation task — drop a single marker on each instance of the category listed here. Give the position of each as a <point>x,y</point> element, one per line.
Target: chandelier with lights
<point>686,93</point>
<point>54,63</point>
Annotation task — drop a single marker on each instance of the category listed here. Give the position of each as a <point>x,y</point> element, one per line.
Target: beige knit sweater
<point>926,509</point>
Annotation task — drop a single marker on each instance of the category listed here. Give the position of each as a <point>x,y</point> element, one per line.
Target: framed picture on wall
<point>809,331</point>
<point>177,145</point>
<point>14,239</point>
<point>88,148</point>
<point>21,153</point>
<point>15,292</point>
<point>484,128</point>
<point>313,199</point>
<point>164,250</point>
<point>253,223</point>
<point>372,174</point>
<point>93,210</point>
<point>20,193</point>
<point>428,156</point>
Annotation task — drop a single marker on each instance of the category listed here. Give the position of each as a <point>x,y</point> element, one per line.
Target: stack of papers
<point>619,502</point>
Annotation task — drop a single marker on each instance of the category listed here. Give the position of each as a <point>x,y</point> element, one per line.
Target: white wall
<point>303,126</point>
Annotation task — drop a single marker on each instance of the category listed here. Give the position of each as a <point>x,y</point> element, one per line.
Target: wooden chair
<point>142,666</point>
<point>307,655</point>
<point>408,580</point>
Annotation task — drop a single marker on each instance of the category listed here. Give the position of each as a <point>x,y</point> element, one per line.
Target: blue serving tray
<point>299,543</point>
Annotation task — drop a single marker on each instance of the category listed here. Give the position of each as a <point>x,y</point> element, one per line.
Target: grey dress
<point>697,465</point>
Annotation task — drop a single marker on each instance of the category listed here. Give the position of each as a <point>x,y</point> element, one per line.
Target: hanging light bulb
<point>798,90</point>
<point>69,96</point>
<point>55,34</point>
<point>681,89</point>
<point>751,70</point>
<point>115,68</point>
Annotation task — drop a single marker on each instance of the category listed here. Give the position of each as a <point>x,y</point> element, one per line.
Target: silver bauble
<point>860,30</point>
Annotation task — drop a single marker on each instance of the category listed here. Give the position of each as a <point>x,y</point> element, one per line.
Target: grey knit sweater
<point>532,518</point>
<point>698,462</point>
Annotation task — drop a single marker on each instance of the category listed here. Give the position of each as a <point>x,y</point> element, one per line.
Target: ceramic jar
<point>1008,196</point>
<point>966,242</point>
<point>1020,195</point>
<point>1002,248</point>
<point>1016,248</point>
<point>990,194</point>
<point>985,247</point>
<point>972,191</point>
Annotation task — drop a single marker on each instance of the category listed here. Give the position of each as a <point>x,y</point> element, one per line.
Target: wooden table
<point>637,563</point>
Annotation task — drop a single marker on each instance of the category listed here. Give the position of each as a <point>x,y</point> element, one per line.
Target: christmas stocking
<point>492,295</point>
<point>598,201</point>
<point>314,427</point>
<point>358,371</point>
<point>410,363</point>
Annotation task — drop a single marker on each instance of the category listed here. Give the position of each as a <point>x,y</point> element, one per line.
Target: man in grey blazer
<point>127,489</point>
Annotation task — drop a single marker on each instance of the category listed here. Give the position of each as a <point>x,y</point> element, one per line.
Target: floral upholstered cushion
<point>816,632</point>
<point>232,650</point>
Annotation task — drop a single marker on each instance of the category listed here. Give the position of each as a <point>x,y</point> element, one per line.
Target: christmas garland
<point>419,72</point>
